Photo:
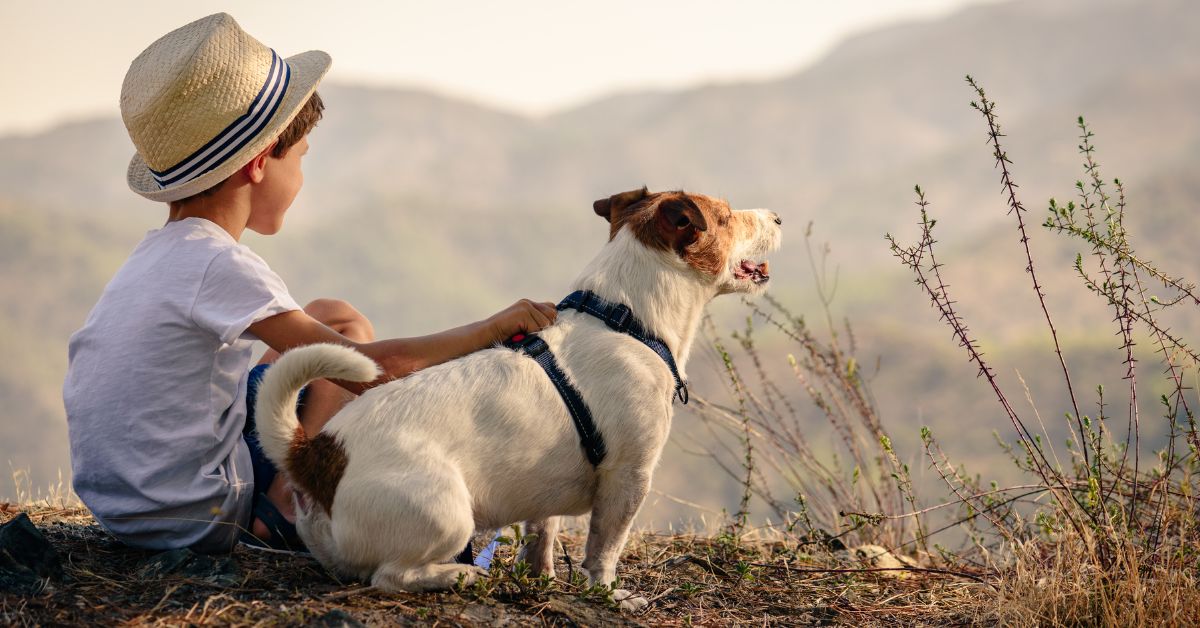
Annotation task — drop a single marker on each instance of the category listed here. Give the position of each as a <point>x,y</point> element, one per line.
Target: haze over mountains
<point>427,212</point>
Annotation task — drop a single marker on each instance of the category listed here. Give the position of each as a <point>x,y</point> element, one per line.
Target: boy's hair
<point>305,120</point>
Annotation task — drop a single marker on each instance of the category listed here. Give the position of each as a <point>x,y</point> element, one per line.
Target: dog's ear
<point>680,220</point>
<point>606,208</point>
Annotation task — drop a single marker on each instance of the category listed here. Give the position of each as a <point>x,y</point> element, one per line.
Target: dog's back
<point>496,409</point>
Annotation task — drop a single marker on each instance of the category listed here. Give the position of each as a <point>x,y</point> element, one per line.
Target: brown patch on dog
<point>316,466</point>
<point>698,228</point>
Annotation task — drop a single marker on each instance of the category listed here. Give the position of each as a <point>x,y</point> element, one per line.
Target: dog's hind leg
<point>402,527</point>
<point>421,538</point>
<point>618,497</point>
<point>435,577</point>
<point>539,553</point>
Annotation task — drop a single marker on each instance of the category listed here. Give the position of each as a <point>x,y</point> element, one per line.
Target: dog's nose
<point>778,220</point>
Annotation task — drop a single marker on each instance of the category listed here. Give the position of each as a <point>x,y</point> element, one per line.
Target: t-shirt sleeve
<point>238,290</point>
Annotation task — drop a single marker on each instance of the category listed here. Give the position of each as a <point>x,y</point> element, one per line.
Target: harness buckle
<point>536,346</point>
<point>618,317</point>
<point>531,344</point>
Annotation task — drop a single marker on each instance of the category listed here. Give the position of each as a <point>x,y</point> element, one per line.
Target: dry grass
<point>1061,585</point>
<point>689,580</point>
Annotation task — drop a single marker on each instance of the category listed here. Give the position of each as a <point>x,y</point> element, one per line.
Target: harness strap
<point>620,318</point>
<point>589,437</point>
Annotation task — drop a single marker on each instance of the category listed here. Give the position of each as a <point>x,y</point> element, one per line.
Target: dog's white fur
<point>485,440</point>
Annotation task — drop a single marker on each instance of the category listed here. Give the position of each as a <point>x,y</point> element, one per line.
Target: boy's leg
<point>324,398</point>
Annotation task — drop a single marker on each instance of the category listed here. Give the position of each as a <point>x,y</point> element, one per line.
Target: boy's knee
<point>342,318</point>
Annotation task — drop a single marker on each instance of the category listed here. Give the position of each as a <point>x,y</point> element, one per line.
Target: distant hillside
<point>426,211</point>
<point>829,142</point>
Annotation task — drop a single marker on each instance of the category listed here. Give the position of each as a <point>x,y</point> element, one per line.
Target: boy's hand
<point>522,317</point>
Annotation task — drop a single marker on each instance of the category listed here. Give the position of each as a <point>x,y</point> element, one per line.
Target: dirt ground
<point>688,580</point>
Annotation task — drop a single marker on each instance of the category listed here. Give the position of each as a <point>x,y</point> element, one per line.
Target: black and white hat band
<point>239,133</point>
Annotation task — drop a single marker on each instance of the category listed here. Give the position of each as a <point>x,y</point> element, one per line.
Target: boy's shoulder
<point>194,244</point>
<point>193,271</point>
<point>189,276</point>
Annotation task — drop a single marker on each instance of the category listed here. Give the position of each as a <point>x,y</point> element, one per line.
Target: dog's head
<point>725,247</point>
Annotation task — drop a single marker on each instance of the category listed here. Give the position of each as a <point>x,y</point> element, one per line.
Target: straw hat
<point>203,100</point>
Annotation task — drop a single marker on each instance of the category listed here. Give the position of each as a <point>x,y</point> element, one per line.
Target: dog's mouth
<point>754,272</point>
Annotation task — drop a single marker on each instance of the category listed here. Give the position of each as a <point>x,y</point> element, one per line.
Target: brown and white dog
<point>395,483</point>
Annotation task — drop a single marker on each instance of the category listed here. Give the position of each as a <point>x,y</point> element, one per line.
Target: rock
<point>336,618</point>
<point>572,611</point>
<point>483,615</point>
<point>222,570</point>
<point>879,557</point>
<point>27,560</point>
<point>163,563</point>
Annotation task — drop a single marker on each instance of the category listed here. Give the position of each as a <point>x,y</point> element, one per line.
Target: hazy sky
<point>67,59</point>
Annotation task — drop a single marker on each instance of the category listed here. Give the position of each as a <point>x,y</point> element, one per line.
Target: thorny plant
<point>1129,516</point>
<point>861,494</point>
<point>1132,520</point>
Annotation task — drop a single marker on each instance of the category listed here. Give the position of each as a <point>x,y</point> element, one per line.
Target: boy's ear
<point>606,208</point>
<point>256,169</point>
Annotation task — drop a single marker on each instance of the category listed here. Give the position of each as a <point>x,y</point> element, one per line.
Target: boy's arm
<point>399,357</point>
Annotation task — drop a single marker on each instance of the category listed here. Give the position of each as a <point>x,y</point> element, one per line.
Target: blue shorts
<point>264,469</point>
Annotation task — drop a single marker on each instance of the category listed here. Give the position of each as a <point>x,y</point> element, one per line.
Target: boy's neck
<point>226,207</point>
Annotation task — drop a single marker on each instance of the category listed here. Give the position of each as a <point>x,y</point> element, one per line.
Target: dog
<point>396,482</point>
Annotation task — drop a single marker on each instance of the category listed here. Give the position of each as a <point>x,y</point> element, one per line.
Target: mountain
<point>427,211</point>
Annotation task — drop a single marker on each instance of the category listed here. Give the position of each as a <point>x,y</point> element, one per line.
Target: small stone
<point>222,570</point>
<point>336,618</point>
<point>879,557</point>
<point>27,560</point>
<point>164,563</point>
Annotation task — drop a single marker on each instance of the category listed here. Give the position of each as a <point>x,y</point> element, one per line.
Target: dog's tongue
<point>755,271</point>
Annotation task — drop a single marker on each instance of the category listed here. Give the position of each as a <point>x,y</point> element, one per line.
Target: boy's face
<point>281,182</point>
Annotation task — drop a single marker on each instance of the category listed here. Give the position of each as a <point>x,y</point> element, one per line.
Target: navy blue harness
<point>619,318</point>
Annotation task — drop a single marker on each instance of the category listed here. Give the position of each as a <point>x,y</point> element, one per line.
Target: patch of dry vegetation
<point>1063,584</point>
<point>689,581</point>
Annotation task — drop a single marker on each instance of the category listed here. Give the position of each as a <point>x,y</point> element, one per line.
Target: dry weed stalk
<point>861,493</point>
<point>1117,543</point>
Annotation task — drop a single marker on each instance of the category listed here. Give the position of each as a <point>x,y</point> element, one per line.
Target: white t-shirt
<point>156,388</point>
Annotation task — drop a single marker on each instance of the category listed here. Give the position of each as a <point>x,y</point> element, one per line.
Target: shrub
<point>1116,541</point>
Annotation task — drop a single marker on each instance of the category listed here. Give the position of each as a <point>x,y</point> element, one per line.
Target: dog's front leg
<point>539,553</point>
<point>618,497</point>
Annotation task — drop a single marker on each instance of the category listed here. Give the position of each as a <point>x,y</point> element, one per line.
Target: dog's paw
<point>447,576</point>
<point>437,577</point>
<point>470,574</point>
<point>628,601</point>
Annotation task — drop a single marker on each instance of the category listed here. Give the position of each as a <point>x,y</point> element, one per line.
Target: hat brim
<point>307,70</point>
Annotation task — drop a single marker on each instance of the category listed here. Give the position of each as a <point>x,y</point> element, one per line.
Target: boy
<point>159,381</point>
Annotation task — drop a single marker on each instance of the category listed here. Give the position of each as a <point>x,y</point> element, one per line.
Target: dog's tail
<point>275,410</point>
